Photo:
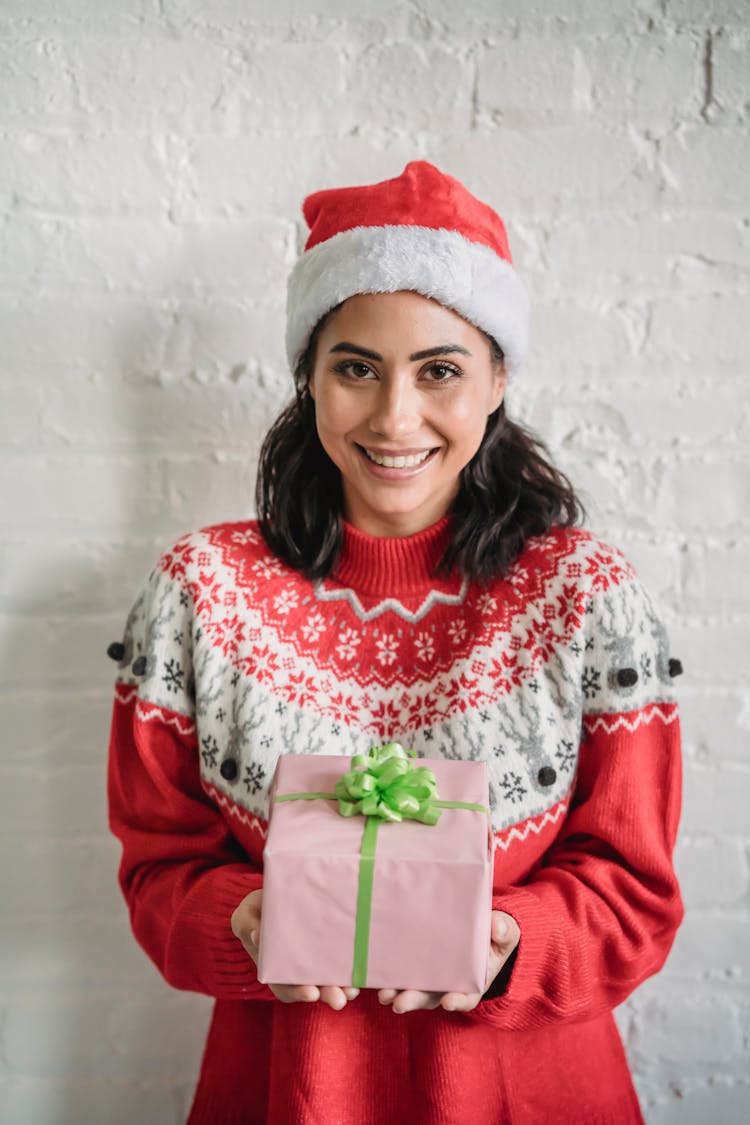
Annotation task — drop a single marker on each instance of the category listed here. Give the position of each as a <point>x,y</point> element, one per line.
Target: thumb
<point>503,929</point>
<point>499,928</point>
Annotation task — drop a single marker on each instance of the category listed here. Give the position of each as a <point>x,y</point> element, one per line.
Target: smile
<point>408,461</point>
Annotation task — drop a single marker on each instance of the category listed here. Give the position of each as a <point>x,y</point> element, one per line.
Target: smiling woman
<point>401,426</point>
<point>415,575</point>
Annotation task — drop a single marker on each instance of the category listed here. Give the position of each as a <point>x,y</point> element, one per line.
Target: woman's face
<point>402,389</point>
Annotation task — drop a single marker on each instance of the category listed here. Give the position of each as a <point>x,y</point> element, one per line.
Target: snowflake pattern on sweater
<point>253,660</point>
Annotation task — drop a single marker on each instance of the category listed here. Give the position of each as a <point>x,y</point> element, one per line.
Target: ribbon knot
<point>385,783</point>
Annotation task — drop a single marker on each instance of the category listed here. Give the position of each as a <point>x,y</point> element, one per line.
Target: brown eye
<point>354,369</point>
<point>443,372</point>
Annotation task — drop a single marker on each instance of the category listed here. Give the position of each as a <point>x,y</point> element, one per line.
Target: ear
<point>311,386</point>
<point>499,382</point>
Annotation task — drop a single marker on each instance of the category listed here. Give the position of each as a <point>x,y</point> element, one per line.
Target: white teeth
<point>398,462</point>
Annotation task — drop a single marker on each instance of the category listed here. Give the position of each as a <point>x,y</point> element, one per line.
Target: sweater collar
<point>392,566</point>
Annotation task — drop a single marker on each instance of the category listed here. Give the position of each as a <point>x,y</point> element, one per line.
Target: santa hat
<point>422,231</point>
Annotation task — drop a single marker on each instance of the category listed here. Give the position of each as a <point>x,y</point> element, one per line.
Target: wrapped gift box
<point>431,893</point>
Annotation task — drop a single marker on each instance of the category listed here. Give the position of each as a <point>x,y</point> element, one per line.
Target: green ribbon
<point>382,785</point>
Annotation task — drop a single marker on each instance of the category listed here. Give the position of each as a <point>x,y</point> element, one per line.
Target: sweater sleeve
<point>182,872</point>
<point>598,915</point>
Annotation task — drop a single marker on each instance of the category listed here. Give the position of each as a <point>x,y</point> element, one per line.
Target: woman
<point>415,574</point>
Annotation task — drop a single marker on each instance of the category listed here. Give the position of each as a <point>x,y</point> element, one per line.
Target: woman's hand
<point>245,924</point>
<point>504,937</point>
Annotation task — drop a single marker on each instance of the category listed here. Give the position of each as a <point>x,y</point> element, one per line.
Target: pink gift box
<point>432,889</point>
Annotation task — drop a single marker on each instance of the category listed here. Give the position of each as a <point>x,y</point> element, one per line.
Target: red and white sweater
<point>558,676</point>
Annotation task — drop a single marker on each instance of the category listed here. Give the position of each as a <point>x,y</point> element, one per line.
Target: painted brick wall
<point>153,155</point>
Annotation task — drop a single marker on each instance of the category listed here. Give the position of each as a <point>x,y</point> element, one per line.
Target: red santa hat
<point>422,231</point>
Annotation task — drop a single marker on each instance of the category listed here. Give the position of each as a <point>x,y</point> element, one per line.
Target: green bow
<point>386,784</point>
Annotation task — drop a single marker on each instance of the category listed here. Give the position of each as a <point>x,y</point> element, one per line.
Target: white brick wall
<point>153,156</point>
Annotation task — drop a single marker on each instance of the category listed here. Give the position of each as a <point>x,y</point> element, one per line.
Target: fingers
<point>412,1000</point>
<point>249,938</point>
<point>245,922</point>
<point>460,1001</point>
<point>335,997</point>
<point>295,993</point>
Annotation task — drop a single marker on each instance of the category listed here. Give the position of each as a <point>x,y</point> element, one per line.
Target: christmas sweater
<point>558,676</point>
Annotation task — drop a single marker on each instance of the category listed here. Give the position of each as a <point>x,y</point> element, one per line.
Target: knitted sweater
<point>558,676</point>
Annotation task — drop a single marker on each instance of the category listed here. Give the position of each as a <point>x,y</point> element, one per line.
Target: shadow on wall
<point>92,1033</point>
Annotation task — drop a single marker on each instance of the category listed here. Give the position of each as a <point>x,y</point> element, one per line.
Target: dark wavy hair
<point>509,491</point>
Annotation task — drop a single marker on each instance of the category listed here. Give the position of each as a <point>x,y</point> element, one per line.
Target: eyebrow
<point>427,353</point>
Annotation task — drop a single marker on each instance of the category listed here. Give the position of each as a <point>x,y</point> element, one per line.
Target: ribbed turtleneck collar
<point>391,566</point>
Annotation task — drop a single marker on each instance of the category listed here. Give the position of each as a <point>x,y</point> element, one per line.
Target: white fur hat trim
<point>464,276</point>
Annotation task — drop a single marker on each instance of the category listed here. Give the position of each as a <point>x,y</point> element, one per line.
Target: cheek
<point>333,414</point>
<point>466,417</point>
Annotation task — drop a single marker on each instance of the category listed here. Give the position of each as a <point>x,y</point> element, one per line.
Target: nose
<point>395,412</point>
